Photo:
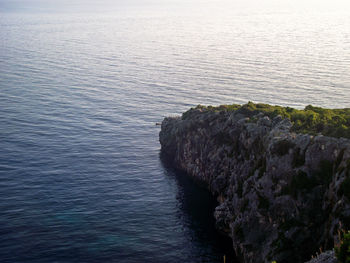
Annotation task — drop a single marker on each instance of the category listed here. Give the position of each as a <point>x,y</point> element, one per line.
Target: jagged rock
<point>282,195</point>
<point>325,257</point>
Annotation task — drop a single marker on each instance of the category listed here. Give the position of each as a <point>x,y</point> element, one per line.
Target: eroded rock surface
<point>325,257</point>
<point>282,195</point>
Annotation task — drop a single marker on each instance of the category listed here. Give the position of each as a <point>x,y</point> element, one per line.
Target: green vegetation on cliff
<point>342,250</point>
<point>311,120</point>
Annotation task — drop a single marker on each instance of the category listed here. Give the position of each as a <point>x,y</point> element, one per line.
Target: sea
<point>82,86</point>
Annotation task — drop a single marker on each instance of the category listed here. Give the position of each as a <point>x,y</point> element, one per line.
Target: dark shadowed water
<point>81,179</point>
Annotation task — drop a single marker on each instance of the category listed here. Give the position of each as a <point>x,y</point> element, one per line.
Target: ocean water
<point>81,178</point>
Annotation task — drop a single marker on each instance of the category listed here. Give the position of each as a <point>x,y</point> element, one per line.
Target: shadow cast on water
<point>196,206</point>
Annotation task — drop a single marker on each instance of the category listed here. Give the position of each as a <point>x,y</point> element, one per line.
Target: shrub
<point>311,120</point>
<point>342,250</point>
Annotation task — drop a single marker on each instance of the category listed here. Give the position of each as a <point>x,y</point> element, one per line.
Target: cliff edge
<point>282,195</point>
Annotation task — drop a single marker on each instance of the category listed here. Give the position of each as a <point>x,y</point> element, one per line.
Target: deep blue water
<point>81,179</point>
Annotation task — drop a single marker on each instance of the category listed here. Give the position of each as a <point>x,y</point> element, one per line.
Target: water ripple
<point>80,174</point>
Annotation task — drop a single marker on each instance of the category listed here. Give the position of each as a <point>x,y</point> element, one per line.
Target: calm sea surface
<point>81,178</point>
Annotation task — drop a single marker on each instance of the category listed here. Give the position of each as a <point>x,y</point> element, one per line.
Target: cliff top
<point>311,120</point>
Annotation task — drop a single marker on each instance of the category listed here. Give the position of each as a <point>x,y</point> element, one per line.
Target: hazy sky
<point>110,5</point>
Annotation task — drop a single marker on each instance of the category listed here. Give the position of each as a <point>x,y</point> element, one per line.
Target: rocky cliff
<point>282,196</point>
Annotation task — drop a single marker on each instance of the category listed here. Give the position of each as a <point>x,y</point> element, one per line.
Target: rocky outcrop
<point>282,195</point>
<point>325,257</point>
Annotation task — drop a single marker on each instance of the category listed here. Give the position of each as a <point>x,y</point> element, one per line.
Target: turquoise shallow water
<point>80,173</point>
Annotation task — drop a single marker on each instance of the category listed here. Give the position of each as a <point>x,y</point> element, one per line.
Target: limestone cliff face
<point>282,195</point>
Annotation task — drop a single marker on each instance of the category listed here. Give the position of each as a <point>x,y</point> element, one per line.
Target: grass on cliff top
<point>311,120</point>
